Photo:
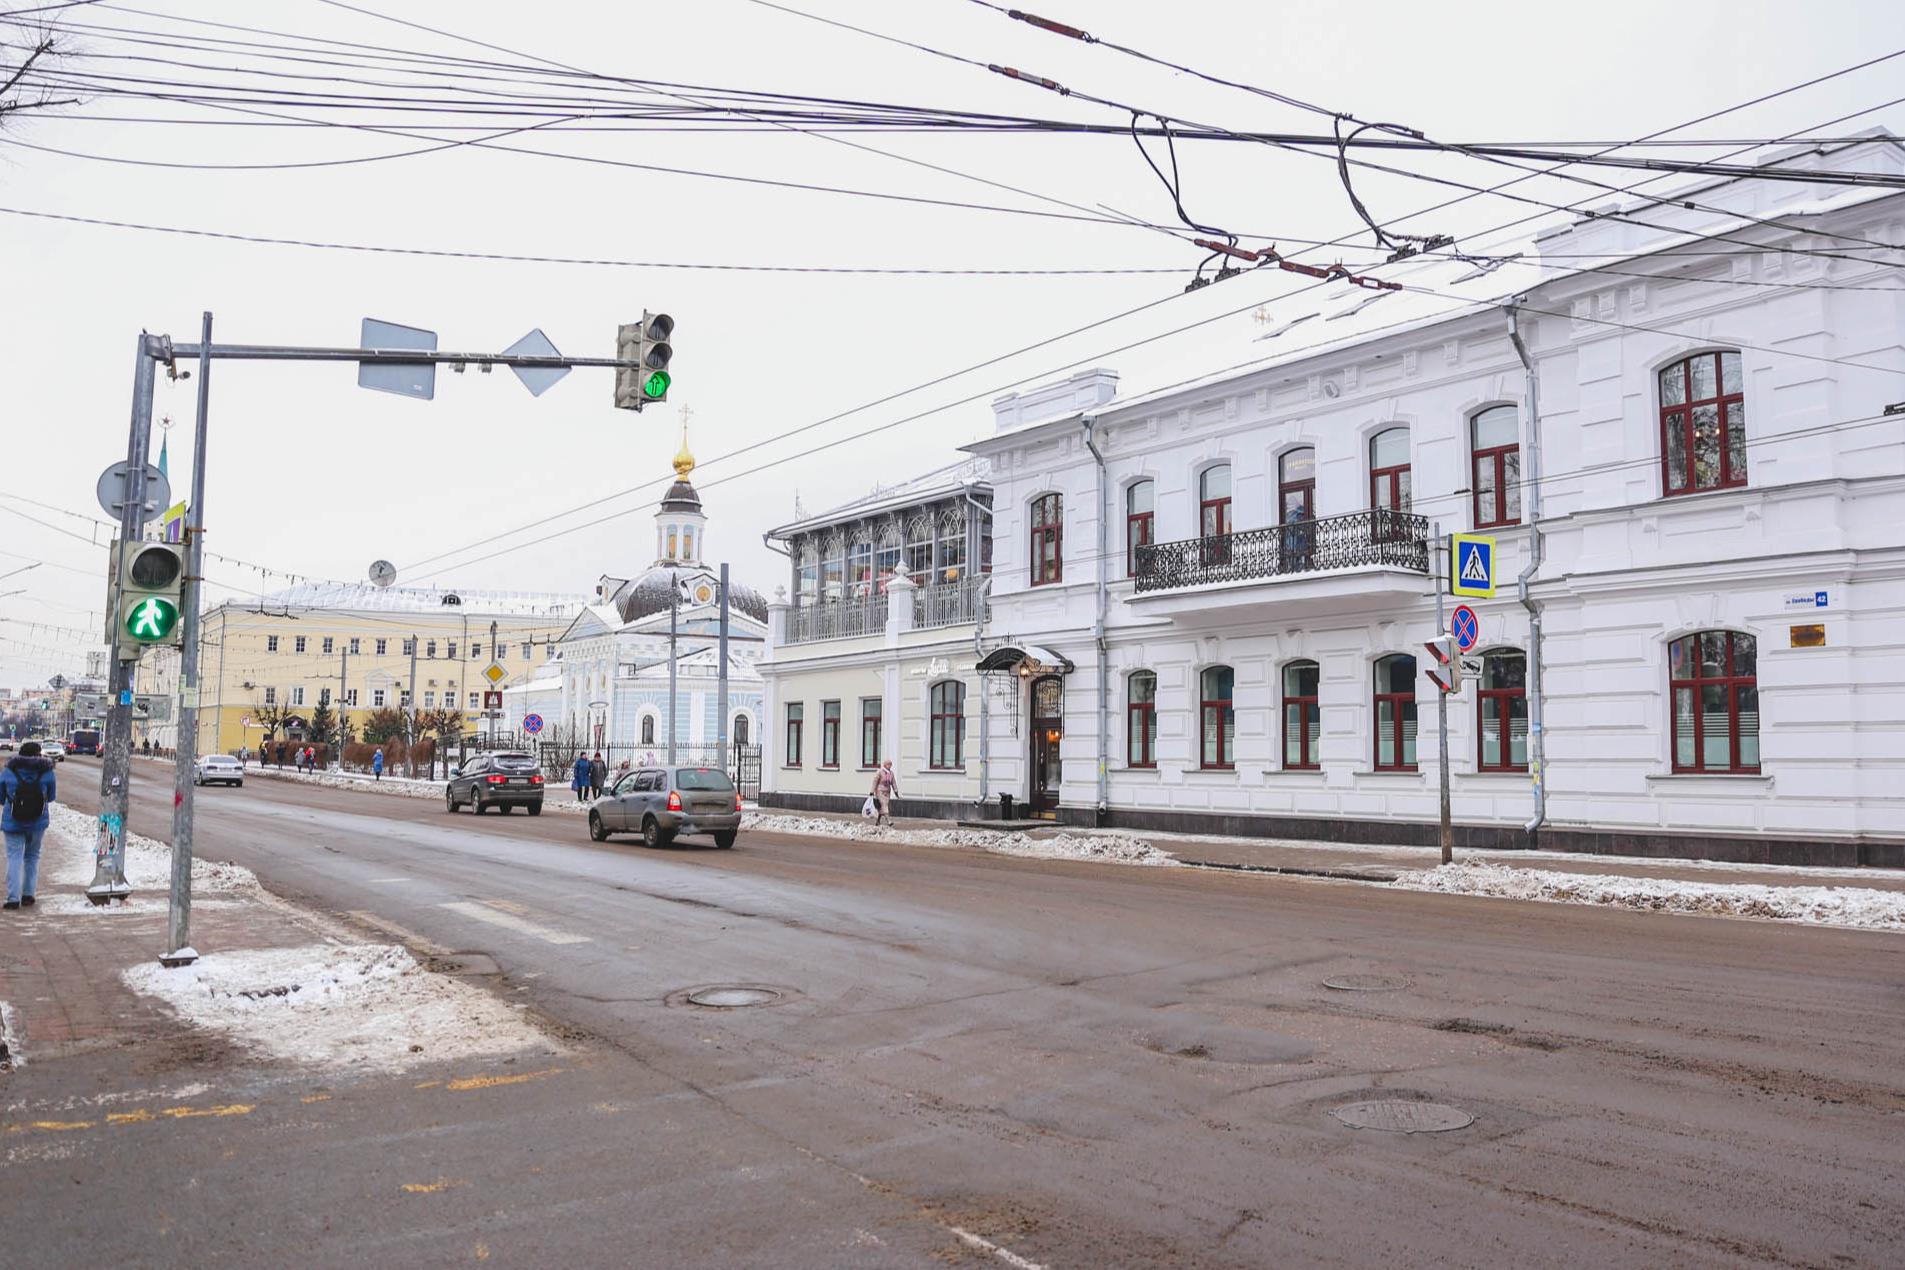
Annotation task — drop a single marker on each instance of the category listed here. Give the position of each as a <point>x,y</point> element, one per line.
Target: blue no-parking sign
<point>1465,626</point>
<point>532,723</point>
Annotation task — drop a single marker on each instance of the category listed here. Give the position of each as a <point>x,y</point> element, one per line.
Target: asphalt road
<point>1016,1061</point>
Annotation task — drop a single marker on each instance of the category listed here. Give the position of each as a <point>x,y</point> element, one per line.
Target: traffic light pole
<point>178,941</point>
<point>115,768</point>
<point>1438,568</point>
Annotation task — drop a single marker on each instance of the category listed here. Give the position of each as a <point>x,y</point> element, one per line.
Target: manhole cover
<point>1399,1115</point>
<point>1364,983</point>
<point>733,998</point>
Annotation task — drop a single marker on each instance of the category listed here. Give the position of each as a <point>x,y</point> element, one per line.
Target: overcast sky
<point>311,476</point>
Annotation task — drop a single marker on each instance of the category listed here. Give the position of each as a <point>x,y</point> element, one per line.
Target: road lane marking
<point>508,906</point>
<point>509,921</point>
<point>490,1082</point>
<point>386,881</point>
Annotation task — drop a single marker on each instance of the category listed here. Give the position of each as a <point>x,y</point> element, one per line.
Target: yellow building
<point>364,646</point>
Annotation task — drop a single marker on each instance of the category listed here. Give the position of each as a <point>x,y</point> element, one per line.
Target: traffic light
<point>146,596</point>
<point>646,344</point>
<point>1448,658</point>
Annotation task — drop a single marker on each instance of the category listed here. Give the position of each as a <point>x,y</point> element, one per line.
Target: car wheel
<point>653,835</point>
<point>477,805</point>
<point>597,830</point>
<point>449,800</point>
<point>535,809</point>
<point>725,838</point>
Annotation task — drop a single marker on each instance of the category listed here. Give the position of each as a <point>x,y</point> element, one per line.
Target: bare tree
<point>29,55</point>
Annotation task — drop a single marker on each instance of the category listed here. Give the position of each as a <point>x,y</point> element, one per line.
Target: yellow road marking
<point>228,1109</point>
<point>50,1126</point>
<point>508,906</point>
<point>490,1082</point>
<point>427,1084</point>
<point>430,1188</point>
<point>311,1098</point>
<point>131,1117</point>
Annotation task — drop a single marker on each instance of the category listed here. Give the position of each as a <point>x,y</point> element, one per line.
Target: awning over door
<point>1025,659</point>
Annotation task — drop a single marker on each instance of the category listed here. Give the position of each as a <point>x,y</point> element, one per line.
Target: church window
<point>687,542</point>
<point>671,542</point>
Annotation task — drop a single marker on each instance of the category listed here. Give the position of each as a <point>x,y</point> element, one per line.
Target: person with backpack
<point>27,788</point>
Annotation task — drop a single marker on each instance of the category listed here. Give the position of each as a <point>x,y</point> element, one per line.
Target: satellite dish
<point>383,573</point>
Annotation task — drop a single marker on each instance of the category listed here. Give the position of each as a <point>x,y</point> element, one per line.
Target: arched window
<point>1140,518</point>
<point>946,739</point>
<point>860,569</point>
<point>1048,560</point>
<point>688,542</point>
<point>1389,470</point>
<point>741,729</point>
<point>648,729</point>
<point>1302,717</point>
<point>1715,679</point>
<point>1501,711</point>
<point>1495,444</point>
<point>671,542</point>
<point>1217,717</point>
<point>1141,719</point>
<point>1395,702</point>
<point>1702,424</point>
<point>1296,485</point>
<point>1213,501</point>
<point>951,559</point>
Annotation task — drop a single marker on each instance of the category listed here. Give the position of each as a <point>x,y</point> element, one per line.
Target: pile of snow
<point>1115,848</point>
<point>336,1005</point>
<point>556,797</point>
<point>68,857</point>
<point>1859,907</point>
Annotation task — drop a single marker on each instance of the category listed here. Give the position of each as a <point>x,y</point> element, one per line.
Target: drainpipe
<point>1098,633</point>
<point>979,617</point>
<point>1531,503</point>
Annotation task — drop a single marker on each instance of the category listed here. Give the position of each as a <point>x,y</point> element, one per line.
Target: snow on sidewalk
<point>368,1005</point>
<point>1849,906</point>
<point>67,857</point>
<point>1113,848</point>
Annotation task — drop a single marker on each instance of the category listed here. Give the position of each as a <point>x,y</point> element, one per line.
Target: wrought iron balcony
<point>950,603</point>
<point>1374,537</point>
<point>836,619</point>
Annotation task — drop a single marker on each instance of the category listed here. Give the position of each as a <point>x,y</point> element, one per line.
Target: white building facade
<point>1216,598</point>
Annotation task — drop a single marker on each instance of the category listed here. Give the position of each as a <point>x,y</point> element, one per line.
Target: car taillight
<point>536,779</point>
<point>497,779</point>
<point>737,800</point>
<point>674,800</point>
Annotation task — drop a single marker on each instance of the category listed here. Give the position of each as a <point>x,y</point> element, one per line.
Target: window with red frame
<point>830,734</point>
<point>795,711</point>
<point>1296,486</point>
<point>1213,513</point>
<point>1140,508</point>
<point>1217,718</point>
<point>1715,681</point>
<point>1495,442</point>
<point>946,736</point>
<point>1048,545</point>
<point>1702,424</point>
<point>1141,720</point>
<point>871,708</point>
<point>1501,712</point>
<point>1396,713</point>
<point>1302,717</point>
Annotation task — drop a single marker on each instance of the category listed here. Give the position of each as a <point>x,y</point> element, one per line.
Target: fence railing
<point>836,619</point>
<point>1378,536</point>
<point>949,604</point>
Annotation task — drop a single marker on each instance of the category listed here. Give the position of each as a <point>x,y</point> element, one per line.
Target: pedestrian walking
<point>27,788</point>
<point>598,773</point>
<point>310,760</point>
<point>377,763</point>
<point>580,782</point>
<point>885,786</point>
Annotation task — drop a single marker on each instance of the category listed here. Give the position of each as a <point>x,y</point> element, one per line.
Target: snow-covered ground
<point>1859,907</point>
<point>66,856</point>
<point>338,1005</point>
<point>556,798</point>
<point>1115,848</point>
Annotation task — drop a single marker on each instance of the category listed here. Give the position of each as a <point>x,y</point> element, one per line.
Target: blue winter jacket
<point>581,780</point>
<point>25,767</point>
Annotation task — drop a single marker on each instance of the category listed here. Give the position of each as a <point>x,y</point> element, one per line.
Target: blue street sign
<point>532,723</point>
<point>125,697</point>
<point>1466,628</point>
<point>1473,556</point>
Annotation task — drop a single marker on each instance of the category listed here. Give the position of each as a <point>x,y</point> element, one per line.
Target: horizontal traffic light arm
<point>389,356</point>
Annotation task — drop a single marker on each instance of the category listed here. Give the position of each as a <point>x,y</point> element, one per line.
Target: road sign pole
<point>178,941</point>
<point>1442,701</point>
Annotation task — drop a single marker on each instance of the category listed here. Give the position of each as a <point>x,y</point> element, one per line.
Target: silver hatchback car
<point>662,802</point>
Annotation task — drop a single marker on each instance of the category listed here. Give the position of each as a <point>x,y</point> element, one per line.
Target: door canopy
<point>1025,660</point>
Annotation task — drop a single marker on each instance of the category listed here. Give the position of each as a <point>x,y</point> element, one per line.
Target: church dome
<point>649,594</point>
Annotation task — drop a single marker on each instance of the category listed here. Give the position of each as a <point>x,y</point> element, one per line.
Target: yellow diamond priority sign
<point>495,673</point>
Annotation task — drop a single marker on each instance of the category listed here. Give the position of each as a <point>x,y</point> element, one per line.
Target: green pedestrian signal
<point>152,619</point>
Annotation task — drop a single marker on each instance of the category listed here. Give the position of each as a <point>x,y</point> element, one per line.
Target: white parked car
<point>218,769</point>
<point>55,750</point>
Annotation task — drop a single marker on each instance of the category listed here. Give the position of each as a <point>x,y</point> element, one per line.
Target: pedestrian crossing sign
<point>1473,559</point>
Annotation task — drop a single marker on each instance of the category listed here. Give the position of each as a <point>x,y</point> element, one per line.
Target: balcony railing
<point>836,619</point>
<point>1375,537</point>
<point>949,604</point>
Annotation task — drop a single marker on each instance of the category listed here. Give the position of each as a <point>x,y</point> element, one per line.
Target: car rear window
<point>513,763</point>
<point>702,778</point>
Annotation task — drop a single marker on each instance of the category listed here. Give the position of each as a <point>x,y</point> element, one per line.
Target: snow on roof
<point>939,481</point>
<point>362,597</point>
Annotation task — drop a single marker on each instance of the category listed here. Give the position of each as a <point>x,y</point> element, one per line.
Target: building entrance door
<point>1048,732</point>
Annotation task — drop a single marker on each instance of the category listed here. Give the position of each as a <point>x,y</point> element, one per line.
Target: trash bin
<point>1005,807</point>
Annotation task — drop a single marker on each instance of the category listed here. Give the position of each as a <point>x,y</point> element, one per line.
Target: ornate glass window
<point>1495,443</point>
<point>1217,717</point>
<point>860,570</point>
<point>1302,717</point>
<point>1715,680</point>
<point>1140,522</point>
<point>1048,545</point>
<point>1396,713</point>
<point>946,739</point>
<point>1141,719</point>
<point>920,528</point>
<point>1702,424</point>
<point>951,560</point>
<point>1501,705</point>
<point>886,555</point>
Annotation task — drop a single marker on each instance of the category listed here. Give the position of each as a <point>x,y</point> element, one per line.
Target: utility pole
<point>115,768</point>
<point>674,624</point>
<point>410,714</point>
<point>1442,697</point>
<point>489,716</point>
<point>343,669</point>
<point>178,938</point>
<point>721,692</point>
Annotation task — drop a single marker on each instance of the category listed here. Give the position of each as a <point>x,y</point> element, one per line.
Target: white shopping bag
<point>869,809</point>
